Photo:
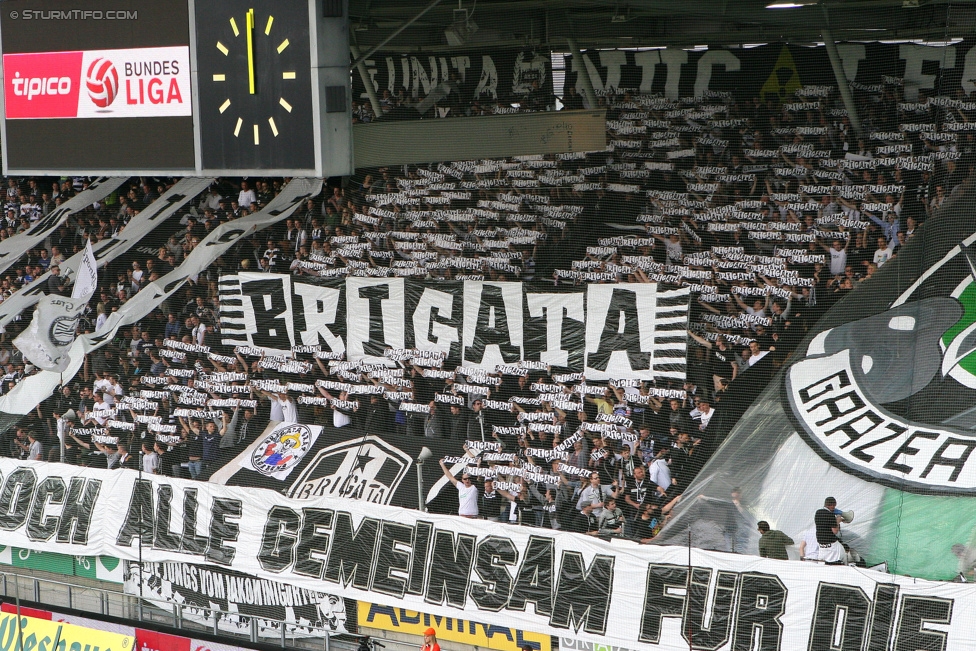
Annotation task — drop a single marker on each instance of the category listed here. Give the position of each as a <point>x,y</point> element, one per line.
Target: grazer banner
<point>777,70</point>
<point>487,76</point>
<point>115,77</point>
<point>874,409</point>
<point>617,331</point>
<point>549,582</point>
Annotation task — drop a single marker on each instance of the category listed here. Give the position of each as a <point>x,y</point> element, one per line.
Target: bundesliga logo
<point>102,80</point>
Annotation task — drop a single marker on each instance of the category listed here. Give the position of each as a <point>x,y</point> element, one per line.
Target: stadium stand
<point>767,221</point>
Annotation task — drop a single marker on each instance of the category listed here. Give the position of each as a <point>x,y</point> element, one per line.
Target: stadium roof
<point>651,23</point>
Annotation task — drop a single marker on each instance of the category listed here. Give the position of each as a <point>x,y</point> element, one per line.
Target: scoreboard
<point>175,87</point>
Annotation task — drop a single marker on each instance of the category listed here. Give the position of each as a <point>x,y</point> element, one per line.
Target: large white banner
<point>32,390</point>
<point>106,250</point>
<point>550,582</point>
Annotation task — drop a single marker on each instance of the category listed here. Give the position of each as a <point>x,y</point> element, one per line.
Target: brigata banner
<point>140,82</point>
<point>550,582</point>
<point>606,331</point>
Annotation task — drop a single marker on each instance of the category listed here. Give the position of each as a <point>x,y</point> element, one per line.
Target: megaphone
<point>425,454</point>
<point>847,516</point>
<point>70,415</point>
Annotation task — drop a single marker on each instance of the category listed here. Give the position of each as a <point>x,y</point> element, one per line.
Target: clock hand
<point>250,50</point>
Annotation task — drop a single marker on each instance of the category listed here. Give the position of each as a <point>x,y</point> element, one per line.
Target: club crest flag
<point>48,339</point>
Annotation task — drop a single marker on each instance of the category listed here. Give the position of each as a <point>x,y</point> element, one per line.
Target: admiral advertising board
<point>174,87</point>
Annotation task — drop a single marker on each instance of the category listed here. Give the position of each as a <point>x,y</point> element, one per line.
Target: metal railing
<point>98,601</point>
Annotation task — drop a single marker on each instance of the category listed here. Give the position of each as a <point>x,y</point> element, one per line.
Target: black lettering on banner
<point>15,498</point>
<point>907,450</point>
<point>839,618</point>
<point>762,601</point>
<point>140,515</point>
<point>279,539</point>
<point>174,284</point>
<point>882,617</point>
<point>191,543</point>
<point>912,633</point>
<point>171,201</point>
<point>352,551</point>
<point>838,380</point>
<point>492,559</point>
<point>51,490</point>
<point>375,295</point>
<point>76,516</point>
<point>852,434</point>
<point>661,600</point>
<point>329,332</point>
<point>105,247</point>
<point>222,530</point>
<point>572,328</point>
<point>47,223</point>
<point>164,538</point>
<point>492,306</point>
<point>271,313</point>
<point>623,304</point>
<point>859,452</point>
<point>583,595</point>
<point>434,320</point>
<point>836,406</point>
<point>718,630</point>
<point>533,583</point>
<point>956,463</point>
<point>391,556</point>
<point>416,580</point>
<point>311,541</point>
<point>228,237</point>
<point>450,568</point>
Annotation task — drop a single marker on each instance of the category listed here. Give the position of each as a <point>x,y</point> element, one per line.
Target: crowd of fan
<point>768,213</point>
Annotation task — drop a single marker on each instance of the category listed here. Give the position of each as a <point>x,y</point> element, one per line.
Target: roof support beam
<point>371,51</point>
<point>583,75</point>
<point>843,84</point>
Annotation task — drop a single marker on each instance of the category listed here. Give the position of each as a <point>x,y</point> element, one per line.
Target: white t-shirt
<point>289,411</point>
<point>756,358</point>
<point>339,419</point>
<point>661,474</point>
<point>467,498</point>
<point>881,256</point>
<point>277,413</point>
<point>812,548</point>
<point>838,261</point>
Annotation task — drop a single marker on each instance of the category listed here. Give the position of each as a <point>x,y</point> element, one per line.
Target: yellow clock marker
<point>288,75</point>
<point>222,48</point>
<point>233,26</point>
<point>250,58</point>
<point>274,127</point>
<point>284,44</point>
<point>256,139</point>
<point>237,129</point>
<point>285,104</point>
<point>267,28</point>
<point>225,105</point>
<point>219,78</point>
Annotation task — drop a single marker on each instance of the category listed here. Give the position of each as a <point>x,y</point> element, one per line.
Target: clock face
<point>255,89</point>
